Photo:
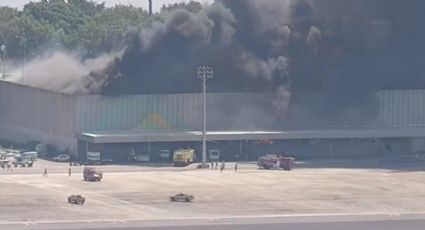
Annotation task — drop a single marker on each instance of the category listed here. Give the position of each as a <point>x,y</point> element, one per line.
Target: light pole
<point>3,57</point>
<point>204,73</point>
<point>150,7</point>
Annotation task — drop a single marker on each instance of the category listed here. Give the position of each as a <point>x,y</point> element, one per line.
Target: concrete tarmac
<point>316,223</point>
<point>129,194</point>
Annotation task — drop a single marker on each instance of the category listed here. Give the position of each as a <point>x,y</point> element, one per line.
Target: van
<point>33,155</point>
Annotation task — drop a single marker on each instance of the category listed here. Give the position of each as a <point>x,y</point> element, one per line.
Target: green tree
<point>8,14</point>
<point>192,6</point>
<point>23,34</point>
<point>106,30</point>
<point>72,24</point>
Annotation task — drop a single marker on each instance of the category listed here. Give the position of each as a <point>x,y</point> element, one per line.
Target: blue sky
<point>143,3</point>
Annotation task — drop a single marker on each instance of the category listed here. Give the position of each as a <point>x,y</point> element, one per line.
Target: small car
<point>76,199</point>
<point>62,158</point>
<point>182,197</point>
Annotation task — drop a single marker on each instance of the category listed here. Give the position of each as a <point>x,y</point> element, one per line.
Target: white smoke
<point>60,71</point>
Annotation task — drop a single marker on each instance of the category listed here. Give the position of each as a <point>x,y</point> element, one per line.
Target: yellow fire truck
<point>183,157</point>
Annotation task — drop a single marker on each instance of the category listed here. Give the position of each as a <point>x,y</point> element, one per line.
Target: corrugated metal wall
<point>147,112</point>
<point>171,112</point>
<point>401,108</point>
<point>227,111</point>
<point>29,114</point>
<point>33,114</point>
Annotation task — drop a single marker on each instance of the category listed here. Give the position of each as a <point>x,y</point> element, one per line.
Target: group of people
<point>214,165</point>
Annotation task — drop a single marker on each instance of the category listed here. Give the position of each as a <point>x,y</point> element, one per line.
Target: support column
<point>240,150</point>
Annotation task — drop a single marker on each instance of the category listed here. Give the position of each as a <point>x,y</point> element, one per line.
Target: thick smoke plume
<point>164,58</point>
<point>323,58</point>
<point>63,72</point>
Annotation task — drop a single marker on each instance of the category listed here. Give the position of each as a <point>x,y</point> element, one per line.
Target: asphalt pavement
<point>316,223</point>
<point>377,225</point>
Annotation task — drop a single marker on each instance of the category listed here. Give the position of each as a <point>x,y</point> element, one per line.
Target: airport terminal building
<point>155,125</point>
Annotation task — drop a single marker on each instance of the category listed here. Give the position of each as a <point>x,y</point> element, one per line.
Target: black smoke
<point>164,58</point>
<point>326,58</point>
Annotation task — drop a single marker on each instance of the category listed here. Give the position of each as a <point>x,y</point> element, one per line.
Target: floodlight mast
<point>204,73</point>
<point>3,52</point>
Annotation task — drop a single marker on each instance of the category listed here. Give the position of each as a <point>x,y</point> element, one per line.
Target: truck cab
<point>183,157</point>
<point>276,162</point>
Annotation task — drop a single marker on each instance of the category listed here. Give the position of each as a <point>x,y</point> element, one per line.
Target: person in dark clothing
<point>236,167</point>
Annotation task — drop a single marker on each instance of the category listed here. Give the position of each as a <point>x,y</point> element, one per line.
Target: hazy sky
<point>157,3</point>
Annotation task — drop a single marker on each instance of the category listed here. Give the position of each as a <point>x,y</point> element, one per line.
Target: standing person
<point>223,165</point>
<point>216,164</point>
<point>69,171</point>
<point>236,167</point>
<point>212,164</point>
<point>45,172</point>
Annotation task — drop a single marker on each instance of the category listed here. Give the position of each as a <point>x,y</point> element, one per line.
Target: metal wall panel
<point>29,114</point>
<point>181,112</point>
<point>147,112</point>
<point>33,114</point>
<point>226,111</point>
<point>400,108</point>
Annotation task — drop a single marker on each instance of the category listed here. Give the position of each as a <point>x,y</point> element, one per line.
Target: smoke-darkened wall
<point>331,55</point>
<point>323,59</point>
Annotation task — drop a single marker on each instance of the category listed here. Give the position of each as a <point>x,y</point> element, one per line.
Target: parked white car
<point>11,157</point>
<point>62,158</point>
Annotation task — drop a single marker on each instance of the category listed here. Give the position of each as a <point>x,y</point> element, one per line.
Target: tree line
<point>80,25</point>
